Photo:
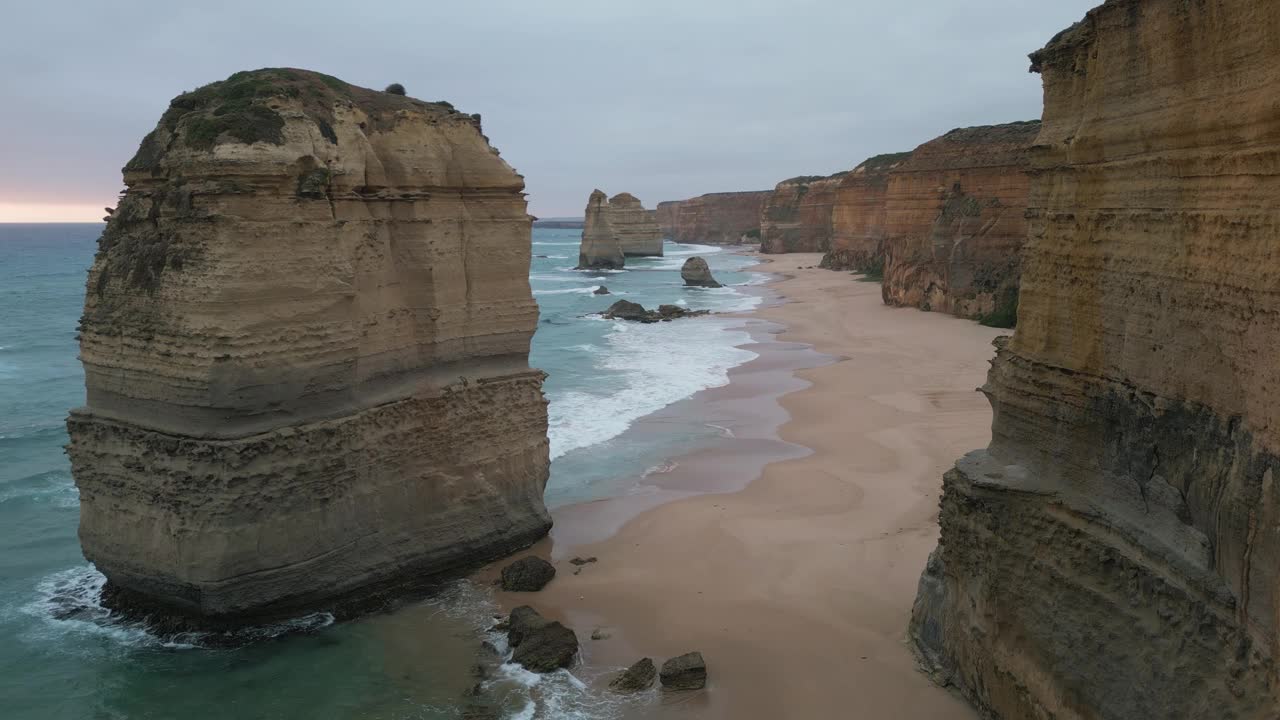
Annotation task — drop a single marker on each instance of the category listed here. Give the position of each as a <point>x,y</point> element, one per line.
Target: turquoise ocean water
<point>64,657</point>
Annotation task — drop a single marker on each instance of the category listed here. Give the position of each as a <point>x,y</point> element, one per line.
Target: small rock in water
<point>547,649</point>
<point>687,672</point>
<point>583,561</point>
<point>602,290</point>
<point>635,678</point>
<point>528,574</point>
<point>696,273</point>
<point>600,634</point>
<point>626,310</point>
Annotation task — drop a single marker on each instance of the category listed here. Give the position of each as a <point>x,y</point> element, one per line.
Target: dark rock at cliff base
<point>547,648</point>
<point>696,273</point>
<point>635,678</point>
<point>687,672</point>
<point>626,310</point>
<point>528,574</point>
<point>602,290</point>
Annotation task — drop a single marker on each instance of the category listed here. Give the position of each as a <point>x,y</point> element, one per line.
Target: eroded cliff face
<point>954,223</point>
<point>305,341</point>
<point>796,216</point>
<point>601,248</point>
<point>1114,553</point>
<point>715,219</point>
<point>858,215</point>
<point>637,229</point>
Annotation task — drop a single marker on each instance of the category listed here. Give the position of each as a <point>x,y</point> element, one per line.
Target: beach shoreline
<point>791,569</point>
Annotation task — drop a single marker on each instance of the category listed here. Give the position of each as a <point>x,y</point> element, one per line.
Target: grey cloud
<point>663,99</point>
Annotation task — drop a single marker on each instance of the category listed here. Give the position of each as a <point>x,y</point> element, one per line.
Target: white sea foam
<point>68,603</point>
<point>556,244</point>
<point>568,291</point>
<point>655,365</point>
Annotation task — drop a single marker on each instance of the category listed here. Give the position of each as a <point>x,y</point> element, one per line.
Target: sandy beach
<point>797,587</point>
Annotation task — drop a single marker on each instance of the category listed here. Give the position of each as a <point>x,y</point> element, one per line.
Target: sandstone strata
<point>636,228</point>
<point>796,217</point>
<point>858,216</point>
<point>717,218</point>
<point>955,225</point>
<point>601,248</point>
<point>1114,553</point>
<point>305,341</point>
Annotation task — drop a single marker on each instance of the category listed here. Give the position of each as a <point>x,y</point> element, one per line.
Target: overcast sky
<point>662,99</point>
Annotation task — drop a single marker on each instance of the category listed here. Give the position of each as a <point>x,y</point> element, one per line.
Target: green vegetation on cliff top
<point>240,108</point>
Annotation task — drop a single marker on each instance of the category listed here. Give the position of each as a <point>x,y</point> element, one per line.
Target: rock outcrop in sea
<point>305,342</point>
<point>796,217</point>
<point>955,223</point>
<point>601,247</point>
<point>636,228</point>
<point>1114,553</point>
<point>858,216</point>
<point>730,218</point>
<point>697,273</point>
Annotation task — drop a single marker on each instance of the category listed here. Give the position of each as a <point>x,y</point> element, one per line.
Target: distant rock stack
<point>305,342</point>
<point>696,273</point>
<point>636,228</point>
<point>601,248</point>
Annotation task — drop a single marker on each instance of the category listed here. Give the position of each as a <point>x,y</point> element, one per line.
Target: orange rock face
<point>954,222</point>
<point>797,215</point>
<point>858,216</point>
<point>1115,553</point>
<point>715,218</point>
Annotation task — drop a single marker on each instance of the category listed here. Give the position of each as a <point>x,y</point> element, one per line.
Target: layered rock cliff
<point>858,216</point>
<point>601,248</point>
<point>305,341</point>
<point>955,225</point>
<point>1115,552</point>
<point>637,228</point>
<point>716,218</point>
<point>796,216</point>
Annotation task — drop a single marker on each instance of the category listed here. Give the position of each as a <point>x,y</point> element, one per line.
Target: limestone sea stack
<point>1115,552</point>
<point>858,215</point>
<point>305,342</point>
<point>955,223</point>
<point>636,228</point>
<point>714,219</point>
<point>601,248</point>
<point>796,216</point>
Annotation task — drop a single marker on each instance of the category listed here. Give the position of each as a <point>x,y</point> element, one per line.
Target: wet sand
<point>789,553</point>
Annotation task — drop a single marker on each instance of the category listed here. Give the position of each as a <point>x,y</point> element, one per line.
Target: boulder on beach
<point>696,273</point>
<point>687,672</point>
<point>547,647</point>
<point>635,312</point>
<point>635,678</point>
<point>528,574</point>
<point>523,622</point>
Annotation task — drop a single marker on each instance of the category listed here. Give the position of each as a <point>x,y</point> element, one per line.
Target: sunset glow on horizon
<point>51,212</point>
